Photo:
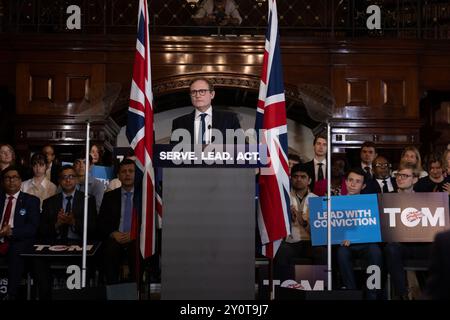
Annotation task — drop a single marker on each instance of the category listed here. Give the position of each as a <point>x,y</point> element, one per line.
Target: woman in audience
<point>446,162</point>
<point>39,186</point>
<point>411,156</point>
<point>97,154</point>
<point>435,181</point>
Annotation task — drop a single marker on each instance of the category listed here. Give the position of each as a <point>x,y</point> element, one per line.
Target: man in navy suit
<point>115,223</point>
<point>62,223</point>
<point>200,122</point>
<point>19,223</point>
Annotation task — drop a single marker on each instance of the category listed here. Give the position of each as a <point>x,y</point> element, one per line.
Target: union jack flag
<point>274,201</point>
<point>140,133</point>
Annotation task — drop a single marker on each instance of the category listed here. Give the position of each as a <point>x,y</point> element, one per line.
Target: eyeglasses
<point>13,178</point>
<point>201,92</point>
<point>68,177</point>
<point>403,176</point>
<point>383,165</point>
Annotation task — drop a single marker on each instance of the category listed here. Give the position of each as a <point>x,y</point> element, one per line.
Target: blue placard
<point>354,218</point>
<point>102,173</point>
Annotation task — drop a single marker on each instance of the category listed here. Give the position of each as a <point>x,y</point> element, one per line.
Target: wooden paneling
<point>59,88</point>
<point>374,82</point>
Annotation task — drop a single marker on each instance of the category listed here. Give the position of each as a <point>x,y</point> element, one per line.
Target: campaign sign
<point>102,173</point>
<point>354,218</point>
<point>62,250</point>
<point>413,217</point>
<point>212,155</point>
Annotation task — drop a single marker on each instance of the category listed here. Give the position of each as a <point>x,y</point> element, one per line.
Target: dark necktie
<point>202,129</point>
<point>320,172</point>
<point>127,213</point>
<point>385,187</point>
<point>68,204</point>
<point>367,169</point>
<point>5,244</point>
<point>65,228</point>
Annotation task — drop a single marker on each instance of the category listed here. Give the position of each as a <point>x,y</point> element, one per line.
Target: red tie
<point>5,245</point>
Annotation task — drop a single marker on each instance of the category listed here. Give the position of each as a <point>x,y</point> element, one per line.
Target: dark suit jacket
<point>438,285</point>
<point>110,213</point>
<point>312,173</point>
<point>372,186</point>
<point>221,120</point>
<point>26,216</point>
<point>51,207</point>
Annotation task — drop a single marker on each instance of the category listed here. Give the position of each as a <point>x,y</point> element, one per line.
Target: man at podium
<point>200,122</point>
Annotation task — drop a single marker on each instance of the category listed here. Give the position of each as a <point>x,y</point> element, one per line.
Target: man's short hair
<point>300,167</point>
<point>11,168</point>
<point>210,84</point>
<point>64,168</point>
<point>125,162</point>
<point>294,157</point>
<point>369,144</point>
<point>319,136</point>
<point>404,165</point>
<point>81,156</point>
<point>357,170</point>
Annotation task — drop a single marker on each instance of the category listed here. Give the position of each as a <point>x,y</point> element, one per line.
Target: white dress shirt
<point>208,124</point>
<point>388,182</point>
<point>316,168</point>
<point>13,209</point>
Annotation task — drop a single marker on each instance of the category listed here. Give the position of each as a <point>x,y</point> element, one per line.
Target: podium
<point>208,235</point>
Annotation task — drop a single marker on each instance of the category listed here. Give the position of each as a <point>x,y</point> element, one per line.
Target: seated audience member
<point>298,244</point>
<point>96,154</point>
<point>62,221</point>
<point>7,156</point>
<point>218,12</point>
<point>435,181</point>
<point>115,223</point>
<point>411,156</point>
<point>293,159</point>
<point>53,165</point>
<point>39,185</point>
<point>370,253</point>
<point>382,181</point>
<point>396,253</point>
<point>95,186</point>
<point>339,166</point>
<point>19,223</point>
<point>446,162</point>
<point>438,283</point>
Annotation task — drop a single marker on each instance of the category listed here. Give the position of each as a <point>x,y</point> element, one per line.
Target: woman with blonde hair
<point>411,156</point>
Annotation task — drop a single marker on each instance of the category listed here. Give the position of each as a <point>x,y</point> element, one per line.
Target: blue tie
<point>202,129</point>
<point>127,213</point>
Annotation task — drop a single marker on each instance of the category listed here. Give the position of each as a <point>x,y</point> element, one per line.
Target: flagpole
<point>86,198</point>
<point>329,269</point>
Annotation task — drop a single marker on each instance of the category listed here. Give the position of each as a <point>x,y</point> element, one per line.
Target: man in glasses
<point>396,253</point>
<point>204,118</point>
<point>19,221</point>
<point>62,222</point>
<point>382,181</point>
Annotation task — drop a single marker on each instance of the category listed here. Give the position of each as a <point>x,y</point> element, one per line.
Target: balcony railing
<point>412,19</point>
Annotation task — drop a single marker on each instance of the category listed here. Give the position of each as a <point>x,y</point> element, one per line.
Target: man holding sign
<point>370,253</point>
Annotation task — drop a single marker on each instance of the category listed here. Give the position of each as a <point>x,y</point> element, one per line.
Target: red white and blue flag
<point>140,133</point>
<point>274,202</point>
